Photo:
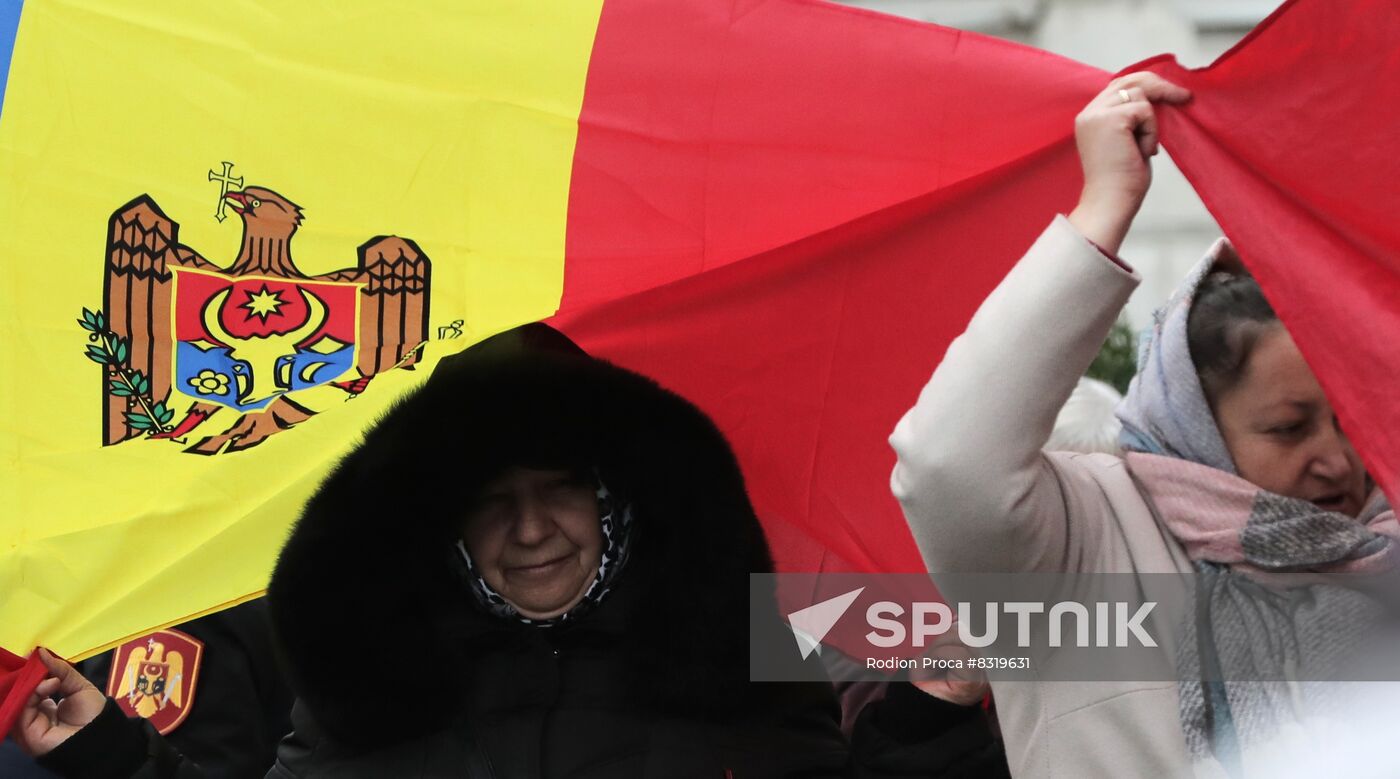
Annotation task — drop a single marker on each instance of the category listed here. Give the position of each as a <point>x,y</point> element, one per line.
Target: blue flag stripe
<point>9,24</point>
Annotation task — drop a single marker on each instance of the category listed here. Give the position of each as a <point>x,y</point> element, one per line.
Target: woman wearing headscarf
<point>538,565</point>
<point>1234,468</point>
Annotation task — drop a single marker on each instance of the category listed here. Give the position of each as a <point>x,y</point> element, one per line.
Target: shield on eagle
<point>244,341</point>
<point>182,339</point>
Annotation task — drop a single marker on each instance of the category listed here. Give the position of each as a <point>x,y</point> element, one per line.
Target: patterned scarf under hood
<point>1248,623</point>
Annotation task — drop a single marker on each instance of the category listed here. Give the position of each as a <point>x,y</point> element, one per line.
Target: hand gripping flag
<point>234,235</point>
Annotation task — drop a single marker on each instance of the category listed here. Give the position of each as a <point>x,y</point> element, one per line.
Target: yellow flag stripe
<point>449,123</point>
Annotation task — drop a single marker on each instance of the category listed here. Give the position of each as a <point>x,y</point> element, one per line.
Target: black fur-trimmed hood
<point>371,556</point>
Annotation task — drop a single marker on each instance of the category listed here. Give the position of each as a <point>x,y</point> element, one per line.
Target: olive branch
<point>112,351</point>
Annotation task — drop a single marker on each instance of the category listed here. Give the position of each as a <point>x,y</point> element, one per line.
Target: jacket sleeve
<point>908,733</point>
<point>244,705</point>
<point>977,491</point>
<point>114,746</point>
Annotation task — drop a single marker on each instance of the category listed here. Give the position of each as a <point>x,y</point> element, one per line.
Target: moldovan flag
<point>233,234</point>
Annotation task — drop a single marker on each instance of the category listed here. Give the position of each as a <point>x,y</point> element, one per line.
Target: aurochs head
<point>248,372</point>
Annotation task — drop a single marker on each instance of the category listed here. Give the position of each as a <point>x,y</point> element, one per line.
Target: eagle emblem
<point>155,677</point>
<point>182,340</point>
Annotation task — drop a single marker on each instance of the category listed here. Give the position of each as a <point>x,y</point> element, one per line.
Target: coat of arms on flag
<point>155,677</point>
<point>244,340</point>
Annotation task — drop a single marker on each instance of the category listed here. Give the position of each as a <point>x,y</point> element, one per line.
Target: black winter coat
<point>560,703</point>
<point>400,672</point>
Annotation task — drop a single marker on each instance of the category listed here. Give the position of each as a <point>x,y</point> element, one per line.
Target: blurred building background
<point>1174,228</point>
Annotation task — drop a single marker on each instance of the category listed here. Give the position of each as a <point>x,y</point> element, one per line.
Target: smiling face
<point>535,537</point>
<point>1282,432</point>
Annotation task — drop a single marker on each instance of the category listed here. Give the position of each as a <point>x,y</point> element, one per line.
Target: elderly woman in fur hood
<point>538,565</point>
<point>1234,469</point>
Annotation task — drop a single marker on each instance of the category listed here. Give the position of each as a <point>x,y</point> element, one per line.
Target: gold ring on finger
<point>1125,96</point>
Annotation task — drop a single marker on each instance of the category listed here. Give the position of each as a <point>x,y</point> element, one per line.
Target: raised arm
<point>978,493</point>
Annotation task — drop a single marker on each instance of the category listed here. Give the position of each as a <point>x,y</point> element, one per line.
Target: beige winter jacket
<point>980,496</point>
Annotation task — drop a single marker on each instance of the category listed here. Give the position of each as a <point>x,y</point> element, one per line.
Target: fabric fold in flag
<point>807,355</point>
<point>18,678</point>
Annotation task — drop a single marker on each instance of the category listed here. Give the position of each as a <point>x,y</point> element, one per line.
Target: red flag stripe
<point>723,139</point>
